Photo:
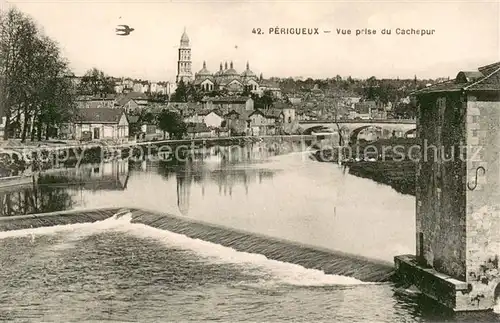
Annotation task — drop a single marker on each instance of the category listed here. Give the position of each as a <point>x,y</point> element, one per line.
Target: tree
<point>404,111</point>
<point>17,32</point>
<point>171,122</point>
<point>265,101</point>
<point>218,93</point>
<point>37,94</point>
<point>144,117</point>
<point>94,82</point>
<point>181,93</point>
<point>194,93</point>
<point>55,96</point>
<point>158,97</point>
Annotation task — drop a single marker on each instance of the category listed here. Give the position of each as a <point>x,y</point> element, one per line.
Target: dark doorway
<point>96,133</point>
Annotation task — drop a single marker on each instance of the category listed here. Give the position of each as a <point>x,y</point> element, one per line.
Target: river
<point>118,271</point>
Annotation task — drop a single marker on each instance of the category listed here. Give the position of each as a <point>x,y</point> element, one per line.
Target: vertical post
<point>420,256</point>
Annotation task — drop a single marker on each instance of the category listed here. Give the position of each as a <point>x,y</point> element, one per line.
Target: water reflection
<point>260,188</point>
<point>225,167</point>
<point>61,190</point>
<point>222,167</point>
<point>34,199</point>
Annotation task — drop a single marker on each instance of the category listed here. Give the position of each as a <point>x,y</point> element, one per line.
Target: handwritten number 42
<point>257,31</point>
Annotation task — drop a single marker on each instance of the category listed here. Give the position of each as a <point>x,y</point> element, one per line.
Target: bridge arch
<point>308,131</point>
<point>411,133</point>
<point>353,137</point>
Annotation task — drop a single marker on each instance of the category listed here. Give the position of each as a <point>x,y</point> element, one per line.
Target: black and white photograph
<point>249,161</point>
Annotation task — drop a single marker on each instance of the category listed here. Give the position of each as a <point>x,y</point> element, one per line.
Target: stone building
<point>101,123</point>
<point>227,104</point>
<point>458,192</point>
<point>184,72</point>
<point>227,78</point>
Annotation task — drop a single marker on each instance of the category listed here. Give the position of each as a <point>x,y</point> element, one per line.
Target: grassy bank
<point>386,161</point>
<point>400,175</point>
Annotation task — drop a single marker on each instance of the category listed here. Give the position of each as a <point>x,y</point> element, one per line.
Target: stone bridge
<point>351,128</point>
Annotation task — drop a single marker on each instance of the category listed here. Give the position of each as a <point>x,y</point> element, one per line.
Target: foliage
<point>263,102</point>
<point>38,94</point>
<point>145,117</point>
<point>171,122</point>
<point>186,93</point>
<point>158,97</point>
<point>194,94</point>
<point>218,93</point>
<point>384,90</point>
<point>181,93</point>
<point>404,111</point>
<point>94,82</point>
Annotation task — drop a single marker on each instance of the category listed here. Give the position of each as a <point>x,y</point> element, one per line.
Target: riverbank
<point>400,175</point>
<point>16,157</point>
<point>386,161</point>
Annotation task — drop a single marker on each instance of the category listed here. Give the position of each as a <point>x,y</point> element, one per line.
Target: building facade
<point>458,190</point>
<point>101,123</point>
<point>227,78</point>
<point>213,119</point>
<point>227,104</point>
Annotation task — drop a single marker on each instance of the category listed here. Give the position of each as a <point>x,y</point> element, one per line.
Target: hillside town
<point>205,104</point>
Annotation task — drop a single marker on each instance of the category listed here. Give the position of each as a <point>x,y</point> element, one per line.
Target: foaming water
<point>75,229</point>
<point>278,272</point>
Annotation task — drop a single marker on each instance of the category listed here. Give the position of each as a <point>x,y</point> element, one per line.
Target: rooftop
<point>132,96</point>
<point>228,99</point>
<point>99,115</point>
<point>487,78</point>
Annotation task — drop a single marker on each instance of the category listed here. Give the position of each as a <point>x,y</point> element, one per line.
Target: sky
<point>466,36</point>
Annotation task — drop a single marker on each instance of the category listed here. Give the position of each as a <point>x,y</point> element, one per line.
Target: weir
<point>328,261</point>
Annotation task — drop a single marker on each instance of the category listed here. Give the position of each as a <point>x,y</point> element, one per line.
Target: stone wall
<point>440,192</point>
<point>483,200</point>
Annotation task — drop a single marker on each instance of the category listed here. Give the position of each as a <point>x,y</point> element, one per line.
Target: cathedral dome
<point>220,72</point>
<point>248,72</point>
<point>231,71</point>
<point>204,71</point>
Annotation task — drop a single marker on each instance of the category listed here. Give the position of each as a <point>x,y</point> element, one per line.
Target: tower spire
<point>184,59</point>
<point>248,66</point>
<point>204,64</point>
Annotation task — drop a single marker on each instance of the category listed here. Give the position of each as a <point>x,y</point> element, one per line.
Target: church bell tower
<point>184,72</point>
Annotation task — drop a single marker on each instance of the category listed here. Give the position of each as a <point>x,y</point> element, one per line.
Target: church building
<point>226,78</point>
